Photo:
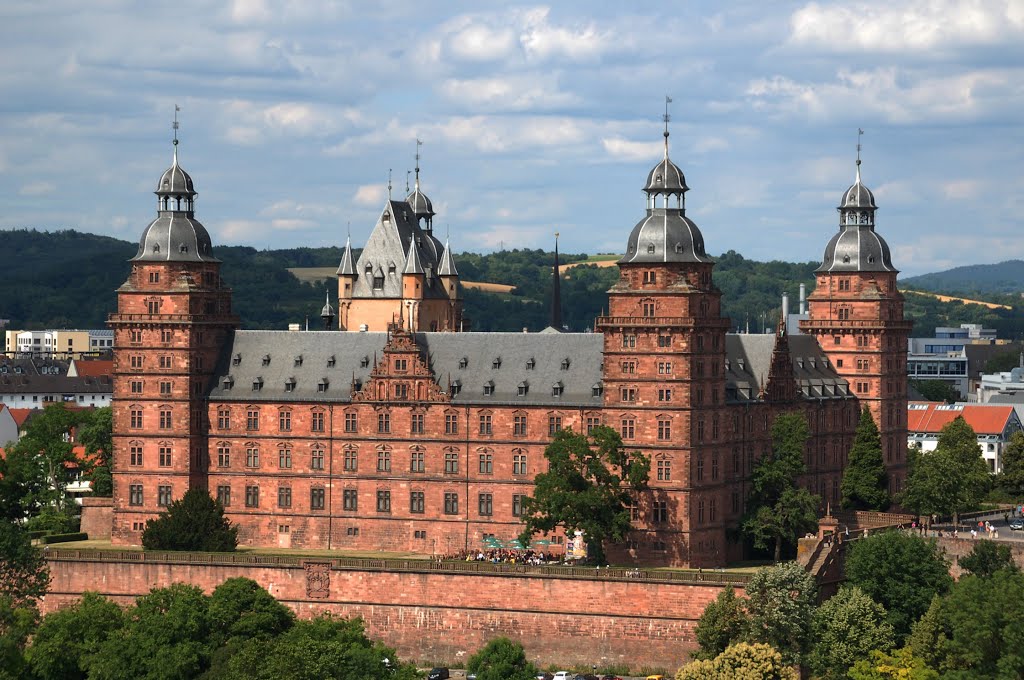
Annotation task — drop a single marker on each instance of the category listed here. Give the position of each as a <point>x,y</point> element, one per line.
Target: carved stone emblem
<point>318,579</point>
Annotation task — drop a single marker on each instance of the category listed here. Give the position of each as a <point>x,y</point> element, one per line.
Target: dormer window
<point>289,385</point>
<point>456,387</point>
<point>266,359</point>
<point>650,248</point>
<point>557,389</point>
<point>596,390</point>
<point>565,364</point>
<point>386,217</point>
<point>331,361</point>
<point>228,382</point>
<point>524,387</point>
<point>496,363</point>
<point>391,268</point>
<point>364,362</point>
<point>800,362</point>
<point>321,386</point>
<point>488,388</point>
<point>237,359</point>
<point>742,364</point>
<point>257,384</point>
<point>369,267</point>
<point>298,360</point>
<point>378,282</point>
<point>679,248</point>
<point>463,362</point>
<point>531,363</point>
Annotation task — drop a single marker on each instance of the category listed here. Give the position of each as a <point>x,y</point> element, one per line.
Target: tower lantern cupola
<point>666,180</point>
<point>421,206</point>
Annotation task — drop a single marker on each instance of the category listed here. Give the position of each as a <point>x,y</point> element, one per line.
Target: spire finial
<point>860,133</point>
<point>556,292</point>
<point>407,173</point>
<point>666,118</point>
<point>389,184</point>
<point>174,127</point>
<point>348,230</point>
<point>418,145</point>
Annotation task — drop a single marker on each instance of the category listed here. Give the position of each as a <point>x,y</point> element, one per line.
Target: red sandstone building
<point>397,432</point>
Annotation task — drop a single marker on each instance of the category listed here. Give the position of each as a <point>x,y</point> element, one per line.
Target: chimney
<point>803,299</point>
<point>785,308</point>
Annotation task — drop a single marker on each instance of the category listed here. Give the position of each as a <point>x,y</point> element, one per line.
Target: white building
<point>993,424</point>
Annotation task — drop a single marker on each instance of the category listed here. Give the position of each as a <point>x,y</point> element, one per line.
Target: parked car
<point>1016,524</point>
<point>656,676</point>
<point>609,676</point>
<point>544,675</point>
<point>563,675</point>
<point>438,674</point>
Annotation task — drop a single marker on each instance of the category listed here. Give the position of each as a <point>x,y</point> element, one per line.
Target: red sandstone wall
<point>434,617</point>
<point>97,516</point>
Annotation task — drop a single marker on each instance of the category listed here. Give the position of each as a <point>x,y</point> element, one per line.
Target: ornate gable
<point>401,374</point>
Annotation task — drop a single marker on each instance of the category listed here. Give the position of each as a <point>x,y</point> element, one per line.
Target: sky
<point>534,118</point>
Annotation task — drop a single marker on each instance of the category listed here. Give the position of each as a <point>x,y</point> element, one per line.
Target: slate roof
<point>665,235</point>
<point>386,253</point>
<point>33,366</point>
<point>749,363</point>
<point>54,384</point>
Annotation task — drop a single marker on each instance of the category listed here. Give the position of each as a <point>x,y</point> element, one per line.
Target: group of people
<point>502,556</point>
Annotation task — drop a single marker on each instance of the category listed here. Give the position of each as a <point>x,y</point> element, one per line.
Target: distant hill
<point>69,279</point>
<point>1001,278</point>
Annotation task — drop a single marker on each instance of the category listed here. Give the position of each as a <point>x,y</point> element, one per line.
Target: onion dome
<point>421,206</point>
<point>857,247</point>
<point>666,177</point>
<point>175,235</point>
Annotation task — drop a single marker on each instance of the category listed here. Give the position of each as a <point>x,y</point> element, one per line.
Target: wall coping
<point>402,565</point>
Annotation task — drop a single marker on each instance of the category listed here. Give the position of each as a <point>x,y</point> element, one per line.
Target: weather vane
<point>407,173</point>
<point>174,126</point>
<point>389,184</point>
<point>860,133</point>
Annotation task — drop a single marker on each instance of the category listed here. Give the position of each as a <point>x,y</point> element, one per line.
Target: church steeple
<point>556,292</point>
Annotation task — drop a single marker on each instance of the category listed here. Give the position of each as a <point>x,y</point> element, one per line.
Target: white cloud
<point>522,92</point>
<point>370,195</point>
<point>476,42</point>
<point>541,40</point>
<point>961,189</point>
<point>907,25</point>
<point>629,150</point>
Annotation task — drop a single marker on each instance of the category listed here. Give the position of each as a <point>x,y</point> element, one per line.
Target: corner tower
<point>856,314</point>
<point>173,316</point>
<point>664,371</point>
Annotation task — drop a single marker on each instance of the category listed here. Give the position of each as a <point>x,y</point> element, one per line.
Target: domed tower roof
<point>857,247</point>
<point>421,206</point>
<point>175,235</point>
<point>327,310</point>
<point>666,234</point>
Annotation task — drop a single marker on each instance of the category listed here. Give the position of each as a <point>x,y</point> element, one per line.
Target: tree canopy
<point>741,661</point>
<point>865,485</point>
<point>779,511</point>
<point>901,572</point>
<point>1012,477</point>
<point>501,659</point>
<point>846,628</point>
<point>588,487</point>
<point>937,390</point>
<point>24,577</point>
<point>781,601</point>
<point>951,479</point>
<point>193,522</point>
<point>723,622</point>
<point>988,557</point>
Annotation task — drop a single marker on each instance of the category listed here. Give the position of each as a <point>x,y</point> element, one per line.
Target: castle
<point>400,431</point>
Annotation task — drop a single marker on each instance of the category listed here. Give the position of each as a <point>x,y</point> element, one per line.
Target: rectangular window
<point>659,512</point>
<point>665,394</point>
<point>165,387</point>
<point>383,460</point>
<point>223,456</point>
<point>317,423</point>
<point>629,367</point>
<point>628,428</point>
<point>714,466</point>
<point>700,468</point>
<point>223,419</point>
<point>486,463</point>
<point>700,430</point>
<point>350,500</point>
<point>316,459</point>
<point>163,496</point>
<point>664,341</point>
<point>165,335</point>
<point>285,421</point>
<point>284,497</point>
<point>165,361</point>
<point>650,277</point>
<point>629,340</point>
<point>664,470</point>
<point>165,456</point>
<point>648,309</point>
<point>519,464</point>
<point>519,426</point>
<point>135,361</point>
<point>665,367</point>
<point>416,461</point>
<point>517,505</point>
<point>383,501</point>
<point>252,496</point>
<point>224,496</point>
<point>136,387</point>
<point>350,422</point>
<point>384,423</point>
<point>252,457</point>
<point>554,424</point>
<point>486,504</point>
<point>252,420</point>
<point>451,462</point>
<point>351,460</point>
<point>416,502</point>
<point>284,459</point>
<point>451,503</point>
<point>417,423</point>
<point>627,393</point>
<point>316,498</point>
<point>135,494</point>
<point>135,455</point>
<point>664,430</point>
<point>485,424</point>
<point>135,337</point>
<point>592,422</point>
<point>165,420</point>
<point>401,391</point>
<point>451,423</point>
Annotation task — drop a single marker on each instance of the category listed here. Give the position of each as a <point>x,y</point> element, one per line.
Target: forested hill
<point>69,278</point>
<point>1004,277</point>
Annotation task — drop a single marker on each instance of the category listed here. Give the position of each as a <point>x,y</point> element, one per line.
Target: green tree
<point>741,661</point>
<point>193,522</point>
<point>982,628</point>
<point>67,641</point>
<point>724,622</point>
<point>865,485</point>
<point>1012,477</point>
<point>95,433</point>
<point>501,659</point>
<point>927,634</point>
<point>951,479</point>
<point>988,557</point>
<point>17,621</point>
<point>899,571</point>
<point>900,665</point>
<point>21,484</point>
<point>779,511</point>
<point>588,486</point>
<point>1003,362</point>
<point>323,648</point>
<point>46,443</point>
<point>24,576</point>
<point>241,609</point>
<point>936,390</point>
<point>781,601</point>
<point>845,629</point>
